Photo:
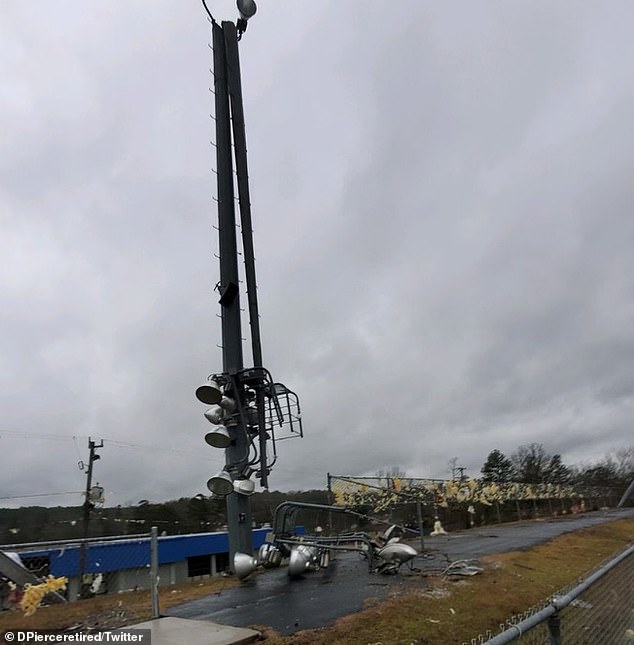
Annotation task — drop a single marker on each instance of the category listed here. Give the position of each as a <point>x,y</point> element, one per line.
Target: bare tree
<point>615,469</point>
<point>388,475</point>
<point>624,458</point>
<point>531,463</point>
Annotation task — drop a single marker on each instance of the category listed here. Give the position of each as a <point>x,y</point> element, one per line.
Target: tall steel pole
<point>244,199</point>
<point>236,455</point>
<point>237,393</point>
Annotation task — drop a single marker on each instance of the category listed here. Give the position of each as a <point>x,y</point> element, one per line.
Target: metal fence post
<point>154,573</point>
<point>554,629</point>
<point>419,515</point>
<point>331,501</point>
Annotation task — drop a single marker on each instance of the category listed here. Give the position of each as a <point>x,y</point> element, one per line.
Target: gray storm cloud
<point>441,207</point>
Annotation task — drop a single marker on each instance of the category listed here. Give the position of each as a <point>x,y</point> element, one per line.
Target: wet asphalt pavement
<point>319,598</point>
<point>272,599</point>
<point>502,538</point>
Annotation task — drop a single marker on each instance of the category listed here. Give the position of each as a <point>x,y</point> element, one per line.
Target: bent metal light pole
<point>247,404</point>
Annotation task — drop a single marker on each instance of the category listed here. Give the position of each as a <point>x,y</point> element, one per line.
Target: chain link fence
<point>462,503</point>
<point>598,610</point>
<point>110,581</point>
<point>92,568</point>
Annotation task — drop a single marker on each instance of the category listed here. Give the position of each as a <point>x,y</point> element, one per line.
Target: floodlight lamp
<point>209,393</point>
<point>228,404</point>
<point>220,484</point>
<point>244,486</point>
<point>390,533</point>
<point>244,565</point>
<point>215,415</point>
<point>300,560</point>
<point>269,556</point>
<point>219,437</point>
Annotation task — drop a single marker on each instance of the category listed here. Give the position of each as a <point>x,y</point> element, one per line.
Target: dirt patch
<point>111,611</point>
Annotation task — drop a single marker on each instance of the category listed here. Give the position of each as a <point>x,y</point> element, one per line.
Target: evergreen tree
<point>556,472</point>
<point>497,468</point>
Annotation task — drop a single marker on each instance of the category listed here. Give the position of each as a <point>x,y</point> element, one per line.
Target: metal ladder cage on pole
<point>288,405</point>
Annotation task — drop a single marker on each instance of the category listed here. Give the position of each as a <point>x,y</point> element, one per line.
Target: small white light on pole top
<point>246,9</point>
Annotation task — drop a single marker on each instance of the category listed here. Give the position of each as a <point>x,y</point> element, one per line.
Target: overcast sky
<point>442,199</point>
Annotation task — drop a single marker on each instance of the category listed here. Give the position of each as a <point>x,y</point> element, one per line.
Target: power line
<point>70,492</point>
<point>114,442</point>
<point>39,435</point>
<point>77,448</point>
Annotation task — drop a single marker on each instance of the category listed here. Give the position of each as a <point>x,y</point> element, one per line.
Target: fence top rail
<point>597,489</point>
<point>355,478</point>
<point>74,541</point>
<point>558,602</point>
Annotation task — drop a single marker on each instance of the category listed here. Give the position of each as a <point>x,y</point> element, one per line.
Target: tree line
<point>533,464</point>
<point>176,517</point>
